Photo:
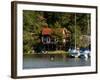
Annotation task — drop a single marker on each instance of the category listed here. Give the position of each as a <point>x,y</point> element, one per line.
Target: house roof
<point>46,31</point>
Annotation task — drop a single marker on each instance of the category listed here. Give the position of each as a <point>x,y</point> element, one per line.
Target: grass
<point>54,52</point>
<point>58,52</point>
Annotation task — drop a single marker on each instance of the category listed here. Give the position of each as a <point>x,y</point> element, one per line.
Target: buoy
<point>52,58</point>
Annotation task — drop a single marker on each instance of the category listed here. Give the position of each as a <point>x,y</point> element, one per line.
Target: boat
<point>75,53</point>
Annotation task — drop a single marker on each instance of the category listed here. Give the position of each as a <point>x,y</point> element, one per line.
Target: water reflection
<point>31,62</point>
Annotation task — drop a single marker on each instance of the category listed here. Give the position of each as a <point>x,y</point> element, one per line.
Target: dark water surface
<point>31,62</point>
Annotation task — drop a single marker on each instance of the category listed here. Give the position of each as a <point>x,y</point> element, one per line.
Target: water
<point>31,62</point>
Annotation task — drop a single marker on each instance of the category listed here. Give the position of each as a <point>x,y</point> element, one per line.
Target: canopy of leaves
<point>33,21</point>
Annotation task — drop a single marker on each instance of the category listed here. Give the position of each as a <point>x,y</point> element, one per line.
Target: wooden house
<point>50,38</point>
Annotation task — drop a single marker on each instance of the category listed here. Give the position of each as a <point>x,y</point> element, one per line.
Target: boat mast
<point>88,28</point>
<point>75,31</point>
<point>88,24</point>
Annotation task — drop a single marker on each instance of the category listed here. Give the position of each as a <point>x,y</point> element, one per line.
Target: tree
<point>33,22</point>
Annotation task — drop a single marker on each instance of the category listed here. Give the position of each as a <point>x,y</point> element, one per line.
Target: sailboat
<point>76,51</point>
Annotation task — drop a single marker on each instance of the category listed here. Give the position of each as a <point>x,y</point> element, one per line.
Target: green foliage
<point>84,41</point>
<point>27,41</point>
<point>33,22</point>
